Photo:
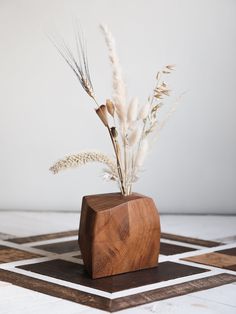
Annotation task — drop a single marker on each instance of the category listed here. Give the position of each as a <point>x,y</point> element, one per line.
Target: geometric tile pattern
<point>10,254</point>
<point>75,273</point>
<point>213,259</point>
<point>172,249</point>
<point>69,246</point>
<point>65,247</point>
<point>52,264</point>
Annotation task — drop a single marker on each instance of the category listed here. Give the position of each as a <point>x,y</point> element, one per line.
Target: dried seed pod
<point>114,132</point>
<point>110,107</point>
<point>102,113</point>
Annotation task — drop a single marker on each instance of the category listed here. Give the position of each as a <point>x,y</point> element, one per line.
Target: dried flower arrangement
<point>129,125</point>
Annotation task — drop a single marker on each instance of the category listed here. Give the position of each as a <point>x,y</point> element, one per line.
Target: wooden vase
<point>118,234</point>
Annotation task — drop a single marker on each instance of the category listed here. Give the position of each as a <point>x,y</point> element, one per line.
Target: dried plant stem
<point>125,164</point>
<point>115,147</point>
<point>119,169</point>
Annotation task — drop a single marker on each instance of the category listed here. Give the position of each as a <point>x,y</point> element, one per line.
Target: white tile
<point>27,224</point>
<point>207,227</point>
<point>200,226</point>
<point>183,305</point>
<point>229,239</point>
<point>11,291</point>
<point>17,300</point>
<point>3,284</point>
<point>224,294</point>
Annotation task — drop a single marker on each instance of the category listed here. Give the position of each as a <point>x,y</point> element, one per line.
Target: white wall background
<point>45,115</point>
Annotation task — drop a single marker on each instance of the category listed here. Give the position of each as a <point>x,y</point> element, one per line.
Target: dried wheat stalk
<point>79,63</point>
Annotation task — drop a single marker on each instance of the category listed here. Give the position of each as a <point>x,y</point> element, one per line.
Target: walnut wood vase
<point>118,234</point>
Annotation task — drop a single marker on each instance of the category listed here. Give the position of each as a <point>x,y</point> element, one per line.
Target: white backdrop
<point>45,115</point>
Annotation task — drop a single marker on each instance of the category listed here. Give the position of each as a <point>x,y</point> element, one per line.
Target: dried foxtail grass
<point>83,158</point>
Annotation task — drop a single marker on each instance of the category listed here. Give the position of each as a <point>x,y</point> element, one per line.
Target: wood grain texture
<point>55,290</point>
<point>231,267</point>
<point>171,291</point>
<point>213,259</point>
<point>195,241</point>
<point>75,273</point>
<point>8,254</point>
<point>231,251</point>
<point>172,249</point>
<point>118,234</point>
<point>113,305</point>
<point>60,247</point>
<point>42,237</point>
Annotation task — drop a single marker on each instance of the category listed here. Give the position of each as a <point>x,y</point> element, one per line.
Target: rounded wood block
<point>118,234</point>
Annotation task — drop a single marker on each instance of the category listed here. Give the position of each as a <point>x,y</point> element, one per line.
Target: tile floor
<point>18,300</point>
